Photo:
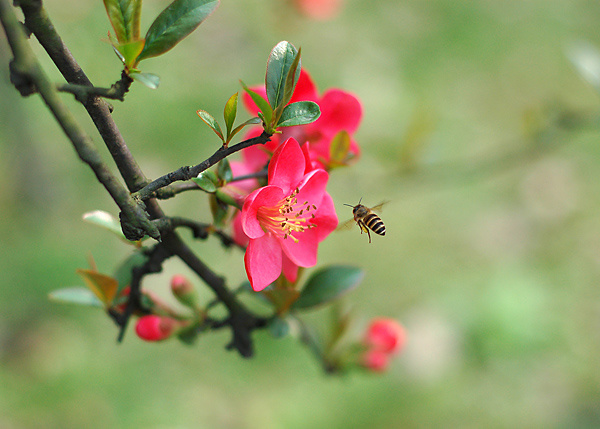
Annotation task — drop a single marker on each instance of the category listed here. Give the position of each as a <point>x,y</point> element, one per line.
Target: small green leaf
<point>280,61</point>
<point>123,272</point>
<point>76,295</point>
<point>129,52</point>
<point>174,23</point>
<point>299,113</point>
<point>207,181</point>
<point>262,104</point>
<point>340,145</point>
<point>211,122</point>
<point>251,121</point>
<point>224,170</point>
<point>230,113</point>
<point>219,210</point>
<point>106,221</point>
<point>328,284</point>
<point>124,16</point>
<point>150,80</point>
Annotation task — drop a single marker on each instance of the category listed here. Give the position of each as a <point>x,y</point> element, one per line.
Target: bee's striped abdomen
<point>375,223</point>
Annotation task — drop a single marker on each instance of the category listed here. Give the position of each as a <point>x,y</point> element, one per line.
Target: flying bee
<point>366,219</point>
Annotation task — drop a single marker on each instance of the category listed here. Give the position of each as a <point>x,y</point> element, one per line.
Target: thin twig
<point>188,172</point>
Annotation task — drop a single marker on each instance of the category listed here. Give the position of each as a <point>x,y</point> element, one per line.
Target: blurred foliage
<point>476,127</point>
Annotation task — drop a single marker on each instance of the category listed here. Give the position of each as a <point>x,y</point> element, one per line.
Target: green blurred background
<point>476,127</point>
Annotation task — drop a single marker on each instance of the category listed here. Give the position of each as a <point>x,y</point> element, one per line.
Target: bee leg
<point>369,236</point>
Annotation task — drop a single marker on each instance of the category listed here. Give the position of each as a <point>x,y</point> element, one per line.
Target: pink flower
<point>319,9</point>
<point>286,220</point>
<point>340,111</point>
<point>156,328</point>
<point>386,335</point>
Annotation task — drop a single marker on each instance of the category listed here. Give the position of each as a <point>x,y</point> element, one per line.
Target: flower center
<point>287,218</point>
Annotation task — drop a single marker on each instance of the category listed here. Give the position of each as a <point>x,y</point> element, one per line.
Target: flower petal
<point>265,196</point>
<point>263,261</point>
<point>303,252</point>
<point>290,270</point>
<point>340,110</point>
<point>287,166</point>
<point>312,187</point>
<point>305,89</point>
<point>326,220</point>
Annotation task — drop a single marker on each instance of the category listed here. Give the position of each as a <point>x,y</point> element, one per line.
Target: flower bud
<point>156,328</point>
<point>385,335</point>
<point>375,360</point>
<point>184,290</point>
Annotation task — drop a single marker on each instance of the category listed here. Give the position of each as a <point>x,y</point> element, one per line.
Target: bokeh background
<point>476,127</point>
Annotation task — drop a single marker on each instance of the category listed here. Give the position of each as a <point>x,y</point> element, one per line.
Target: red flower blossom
<point>376,360</point>
<point>286,220</point>
<point>340,111</point>
<point>319,9</point>
<point>386,335</point>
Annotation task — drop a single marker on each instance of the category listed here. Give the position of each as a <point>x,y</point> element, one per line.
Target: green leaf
<point>262,104</point>
<point>150,80</point>
<point>124,16</point>
<point>328,284</point>
<point>76,295</point>
<point>251,121</point>
<point>299,113</point>
<point>224,170</point>
<point>230,113</point>
<point>174,23</point>
<point>280,62</point>
<point>340,145</point>
<point>211,122</point>
<point>106,221</point>
<point>207,181</point>
<point>130,51</point>
<point>123,272</point>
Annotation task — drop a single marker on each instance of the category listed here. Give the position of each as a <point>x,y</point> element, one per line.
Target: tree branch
<point>25,64</point>
<point>189,172</point>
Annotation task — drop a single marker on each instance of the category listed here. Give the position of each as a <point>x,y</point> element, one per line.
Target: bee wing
<point>346,225</point>
<point>379,206</point>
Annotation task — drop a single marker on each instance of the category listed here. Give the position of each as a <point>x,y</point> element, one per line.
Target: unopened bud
<point>156,328</point>
<point>184,291</point>
<point>386,335</point>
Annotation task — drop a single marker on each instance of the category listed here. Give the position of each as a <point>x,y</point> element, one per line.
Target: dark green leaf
<point>76,295</point>
<point>328,284</point>
<point>262,104</point>
<point>174,23</point>
<point>280,61</point>
<point>211,122</point>
<point>124,15</point>
<point>290,83</point>
<point>150,80</point>
<point>230,112</point>
<point>124,271</point>
<point>224,170</point>
<point>299,113</point>
<point>207,181</point>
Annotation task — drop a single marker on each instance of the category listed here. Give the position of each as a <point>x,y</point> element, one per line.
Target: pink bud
<point>376,360</point>
<point>155,328</point>
<point>180,285</point>
<point>385,335</point>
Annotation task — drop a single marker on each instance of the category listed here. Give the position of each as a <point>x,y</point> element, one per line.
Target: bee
<point>366,219</point>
